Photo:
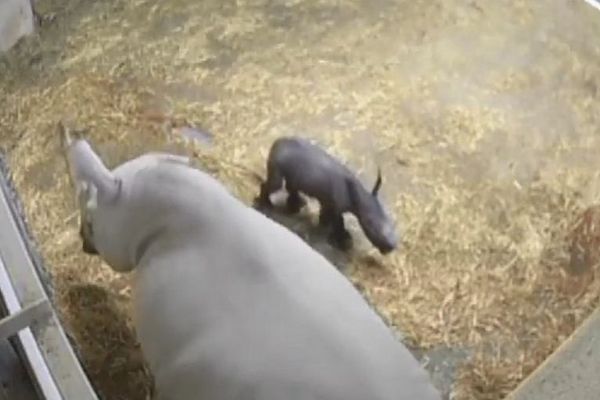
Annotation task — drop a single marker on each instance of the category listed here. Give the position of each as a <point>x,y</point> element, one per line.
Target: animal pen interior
<point>482,116</point>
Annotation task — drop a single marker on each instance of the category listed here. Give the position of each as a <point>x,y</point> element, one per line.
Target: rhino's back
<point>307,167</point>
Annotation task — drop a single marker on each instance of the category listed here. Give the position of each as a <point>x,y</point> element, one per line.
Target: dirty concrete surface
<point>482,115</point>
<point>571,372</point>
<point>14,379</point>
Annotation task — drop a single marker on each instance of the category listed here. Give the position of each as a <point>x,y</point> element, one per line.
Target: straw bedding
<point>481,116</point>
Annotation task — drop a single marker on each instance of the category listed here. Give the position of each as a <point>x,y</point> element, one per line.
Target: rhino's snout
<point>387,246</point>
<point>387,239</point>
<point>386,249</point>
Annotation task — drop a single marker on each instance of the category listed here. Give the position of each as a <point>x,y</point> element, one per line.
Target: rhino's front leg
<point>340,237</point>
<point>295,201</point>
<point>326,216</point>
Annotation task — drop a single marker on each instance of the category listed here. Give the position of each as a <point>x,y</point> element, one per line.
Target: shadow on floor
<point>114,360</point>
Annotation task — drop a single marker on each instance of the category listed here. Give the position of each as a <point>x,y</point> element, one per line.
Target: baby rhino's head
<point>374,220</point>
<point>113,220</point>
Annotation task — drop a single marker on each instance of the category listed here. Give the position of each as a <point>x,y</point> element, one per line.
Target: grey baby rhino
<point>228,304</point>
<point>307,168</point>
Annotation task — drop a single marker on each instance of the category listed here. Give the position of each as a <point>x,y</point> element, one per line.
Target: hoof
<point>294,204</point>
<point>325,219</point>
<point>341,240</point>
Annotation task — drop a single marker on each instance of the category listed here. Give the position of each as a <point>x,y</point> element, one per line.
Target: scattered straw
<point>480,115</point>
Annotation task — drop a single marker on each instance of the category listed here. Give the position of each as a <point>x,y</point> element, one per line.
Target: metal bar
<point>54,346</point>
<point>34,360</point>
<point>15,380</point>
<point>14,323</point>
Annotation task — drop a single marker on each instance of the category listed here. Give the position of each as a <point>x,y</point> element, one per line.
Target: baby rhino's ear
<point>93,181</point>
<point>377,185</point>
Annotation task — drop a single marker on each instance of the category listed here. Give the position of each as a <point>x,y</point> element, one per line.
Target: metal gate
<point>30,321</point>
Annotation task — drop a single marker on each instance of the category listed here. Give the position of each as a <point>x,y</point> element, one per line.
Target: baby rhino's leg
<point>273,183</point>
<point>326,216</point>
<point>340,237</point>
<point>295,201</point>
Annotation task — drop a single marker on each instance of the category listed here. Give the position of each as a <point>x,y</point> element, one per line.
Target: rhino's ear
<point>94,182</point>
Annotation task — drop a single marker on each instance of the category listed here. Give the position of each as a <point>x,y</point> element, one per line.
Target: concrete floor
<point>15,383</point>
<point>572,372</point>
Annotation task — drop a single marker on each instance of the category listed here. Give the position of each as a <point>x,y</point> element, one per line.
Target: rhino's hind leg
<point>340,237</point>
<point>295,201</point>
<point>326,216</point>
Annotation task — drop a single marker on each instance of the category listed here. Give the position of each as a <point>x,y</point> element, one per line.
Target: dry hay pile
<point>484,226</point>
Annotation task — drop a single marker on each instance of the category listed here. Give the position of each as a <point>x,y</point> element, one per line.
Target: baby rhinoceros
<point>307,168</point>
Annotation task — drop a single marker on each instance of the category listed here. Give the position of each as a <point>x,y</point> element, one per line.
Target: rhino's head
<point>376,222</point>
<point>115,223</point>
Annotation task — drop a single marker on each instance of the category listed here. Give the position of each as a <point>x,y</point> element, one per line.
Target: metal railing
<point>31,320</point>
